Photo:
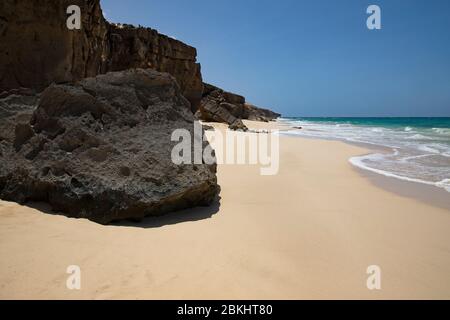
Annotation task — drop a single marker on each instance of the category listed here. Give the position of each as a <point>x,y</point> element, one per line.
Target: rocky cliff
<point>132,47</point>
<point>85,129</point>
<point>37,48</point>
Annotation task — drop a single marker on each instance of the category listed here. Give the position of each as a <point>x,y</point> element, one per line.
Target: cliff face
<point>71,144</point>
<point>221,106</point>
<point>37,48</point>
<point>145,48</point>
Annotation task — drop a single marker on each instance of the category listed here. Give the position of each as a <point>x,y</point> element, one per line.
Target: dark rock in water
<point>220,106</point>
<point>37,48</point>
<point>101,148</point>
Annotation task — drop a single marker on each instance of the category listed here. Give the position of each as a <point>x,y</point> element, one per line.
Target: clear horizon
<point>313,58</point>
<point>123,177</point>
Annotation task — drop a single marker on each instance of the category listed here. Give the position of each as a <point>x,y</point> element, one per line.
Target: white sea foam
<point>406,159</point>
<point>358,162</point>
<point>419,137</point>
<point>427,148</point>
<point>417,154</point>
<point>443,131</point>
<point>444,184</point>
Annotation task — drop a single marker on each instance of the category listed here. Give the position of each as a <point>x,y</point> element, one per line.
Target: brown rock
<point>222,106</point>
<point>37,49</point>
<point>215,108</point>
<point>145,48</point>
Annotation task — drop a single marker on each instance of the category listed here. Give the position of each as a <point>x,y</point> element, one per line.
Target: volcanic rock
<point>101,148</point>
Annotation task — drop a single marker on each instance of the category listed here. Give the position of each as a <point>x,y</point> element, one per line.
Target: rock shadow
<point>172,218</point>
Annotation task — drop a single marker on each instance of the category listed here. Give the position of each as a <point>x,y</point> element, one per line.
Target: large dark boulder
<point>101,148</point>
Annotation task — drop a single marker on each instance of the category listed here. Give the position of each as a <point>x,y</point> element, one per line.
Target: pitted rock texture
<point>101,148</point>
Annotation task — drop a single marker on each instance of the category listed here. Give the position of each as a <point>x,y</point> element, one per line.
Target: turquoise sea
<point>413,149</point>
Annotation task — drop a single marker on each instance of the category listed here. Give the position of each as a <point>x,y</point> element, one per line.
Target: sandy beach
<point>308,232</point>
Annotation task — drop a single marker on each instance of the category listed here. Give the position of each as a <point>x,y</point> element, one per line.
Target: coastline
<point>426,193</point>
<point>259,242</point>
<point>134,164</point>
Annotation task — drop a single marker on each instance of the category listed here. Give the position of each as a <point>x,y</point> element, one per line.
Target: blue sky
<point>315,57</point>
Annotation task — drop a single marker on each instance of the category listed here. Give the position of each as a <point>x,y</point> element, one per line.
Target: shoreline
<point>259,242</point>
<point>426,193</point>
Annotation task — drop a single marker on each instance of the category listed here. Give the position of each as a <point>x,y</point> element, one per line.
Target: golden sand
<point>309,232</point>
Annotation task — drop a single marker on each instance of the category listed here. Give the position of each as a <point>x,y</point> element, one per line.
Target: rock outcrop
<point>255,113</point>
<point>37,48</point>
<point>85,129</point>
<point>101,148</point>
<point>218,105</point>
<point>132,47</point>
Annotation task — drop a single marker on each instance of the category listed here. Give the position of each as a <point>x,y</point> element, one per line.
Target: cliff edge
<point>37,48</point>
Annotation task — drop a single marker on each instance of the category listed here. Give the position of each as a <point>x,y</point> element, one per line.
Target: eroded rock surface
<point>37,48</point>
<point>218,105</point>
<point>101,148</point>
<point>255,113</point>
<point>132,47</point>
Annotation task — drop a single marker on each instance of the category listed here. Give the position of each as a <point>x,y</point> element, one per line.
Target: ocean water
<point>412,149</point>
